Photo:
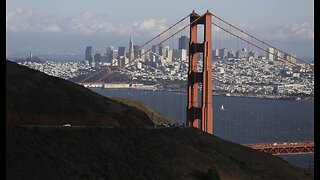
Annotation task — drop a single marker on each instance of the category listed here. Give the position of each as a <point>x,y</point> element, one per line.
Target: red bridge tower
<point>203,114</point>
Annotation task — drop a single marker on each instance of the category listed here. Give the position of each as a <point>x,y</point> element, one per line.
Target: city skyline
<point>178,50</point>
<point>68,29</point>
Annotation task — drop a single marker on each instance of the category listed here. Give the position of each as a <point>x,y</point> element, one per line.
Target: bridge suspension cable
<point>135,50</point>
<point>267,44</point>
<point>255,45</point>
<point>125,65</point>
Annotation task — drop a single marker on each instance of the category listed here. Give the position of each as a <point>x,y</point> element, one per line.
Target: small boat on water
<point>222,108</point>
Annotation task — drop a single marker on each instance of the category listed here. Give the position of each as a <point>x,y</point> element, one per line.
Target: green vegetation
<point>154,116</point>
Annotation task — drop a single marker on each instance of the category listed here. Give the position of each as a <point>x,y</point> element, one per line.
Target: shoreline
<point>274,97</point>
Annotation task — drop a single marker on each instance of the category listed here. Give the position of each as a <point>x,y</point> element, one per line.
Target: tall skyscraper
<point>161,53</point>
<point>114,54</point>
<point>109,52</point>
<point>152,57</point>
<point>184,55</point>
<point>89,54</point>
<point>136,52</point>
<point>155,49</point>
<point>142,53</point>
<point>97,57</point>
<point>167,53</point>
<point>130,55</point>
<point>215,54</point>
<point>269,55</point>
<point>184,43</point>
<point>278,56</point>
<point>121,51</point>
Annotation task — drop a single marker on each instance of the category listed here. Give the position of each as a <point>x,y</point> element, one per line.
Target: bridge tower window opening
<point>200,34</point>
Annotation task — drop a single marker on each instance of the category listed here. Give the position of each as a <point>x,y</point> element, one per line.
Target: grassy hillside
<point>155,117</point>
<point>33,97</point>
<point>131,150</point>
<point>135,153</point>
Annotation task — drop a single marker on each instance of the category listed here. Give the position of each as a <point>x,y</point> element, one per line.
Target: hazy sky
<point>68,26</point>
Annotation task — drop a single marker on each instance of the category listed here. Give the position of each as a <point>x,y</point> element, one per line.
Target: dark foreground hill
<point>132,150</point>
<point>33,97</point>
<point>135,153</point>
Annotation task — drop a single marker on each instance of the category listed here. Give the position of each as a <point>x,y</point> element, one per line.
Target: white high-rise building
<point>270,54</point>
<point>183,54</point>
<point>139,65</point>
<point>215,52</point>
<point>152,57</point>
<point>167,53</point>
<point>143,55</point>
<point>114,54</point>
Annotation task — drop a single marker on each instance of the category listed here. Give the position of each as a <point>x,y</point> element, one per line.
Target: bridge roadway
<point>306,147</point>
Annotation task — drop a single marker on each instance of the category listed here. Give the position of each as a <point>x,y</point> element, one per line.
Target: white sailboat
<point>222,108</point>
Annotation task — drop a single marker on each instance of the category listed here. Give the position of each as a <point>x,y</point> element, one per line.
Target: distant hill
<point>33,97</point>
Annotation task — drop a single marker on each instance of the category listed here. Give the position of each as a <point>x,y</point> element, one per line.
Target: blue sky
<point>63,26</point>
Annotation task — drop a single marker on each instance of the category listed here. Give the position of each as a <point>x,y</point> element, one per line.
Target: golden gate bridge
<point>202,116</point>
